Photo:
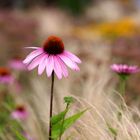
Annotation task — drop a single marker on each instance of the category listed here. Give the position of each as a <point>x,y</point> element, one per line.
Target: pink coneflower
<point>5,76</point>
<point>52,57</point>
<point>124,69</point>
<point>19,113</point>
<point>16,64</point>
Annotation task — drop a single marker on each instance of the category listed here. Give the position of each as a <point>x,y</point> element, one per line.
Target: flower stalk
<point>123,79</point>
<point>53,59</point>
<point>51,106</point>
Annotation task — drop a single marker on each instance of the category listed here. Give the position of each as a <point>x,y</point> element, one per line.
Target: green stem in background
<point>51,106</point>
<point>122,86</point>
<point>123,79</point>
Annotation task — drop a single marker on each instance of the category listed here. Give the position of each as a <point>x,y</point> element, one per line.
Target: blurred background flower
<point>16,64</point>
<point>6,76</point>
<point>124,69</point>
<point>20,113</point>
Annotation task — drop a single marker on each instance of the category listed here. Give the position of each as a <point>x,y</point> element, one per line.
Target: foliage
<point>60,124</point>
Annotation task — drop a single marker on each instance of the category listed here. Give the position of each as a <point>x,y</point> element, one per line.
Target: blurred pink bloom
<point>17,87</point>
<point>19,113</point>
<point>5,76</point>
<point>124,69</point>
<point>16,64</point>
<point>27,136</point>
<point>52,57</point>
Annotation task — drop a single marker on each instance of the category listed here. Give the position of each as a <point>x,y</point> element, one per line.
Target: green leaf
<point>19,136</point>
<point>69,121</point>
<point>68,100</point>
<point>57,118</point>
<point>57,129</point>
<point>112,130</point>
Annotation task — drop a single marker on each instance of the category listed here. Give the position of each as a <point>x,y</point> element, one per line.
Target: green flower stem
<point>51,106</point>
<point>122,86</point>
<point>123,79</point>
<point>67,107</point>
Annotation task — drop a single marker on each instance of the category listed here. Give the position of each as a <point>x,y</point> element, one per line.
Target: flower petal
<point>32,55</point>
<point>69,62</point>
<point>57,68</point>
<point>35,62</point>
<point>72,56</point>
<point>63,67</point>
<point>32,48</point>
<point>42,64</point>
<point>49,65</point>
<point>114,67</point>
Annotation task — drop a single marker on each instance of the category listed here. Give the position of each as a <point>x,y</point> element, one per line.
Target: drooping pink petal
<point>32,47</point>
<point>114,67</point>
<point>69,62</point>
<point>57,68</point>
<point>49,65</point>
<point>35,62</point>
<point>124,68</point>
<point>32,55</point>
<point>63,67</point>
<point>42,64</point>
<point>72,56</point>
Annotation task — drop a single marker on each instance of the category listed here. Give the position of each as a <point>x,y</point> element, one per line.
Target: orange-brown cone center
<point>4,71</point>
<point>17,58</point>
<point>53,45</point>
<point>20,108</point>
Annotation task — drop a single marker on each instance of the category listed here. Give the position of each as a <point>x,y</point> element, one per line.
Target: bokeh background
<point>100,32</point>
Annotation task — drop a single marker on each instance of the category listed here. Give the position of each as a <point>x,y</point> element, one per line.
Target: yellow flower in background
<point>123,27</point>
